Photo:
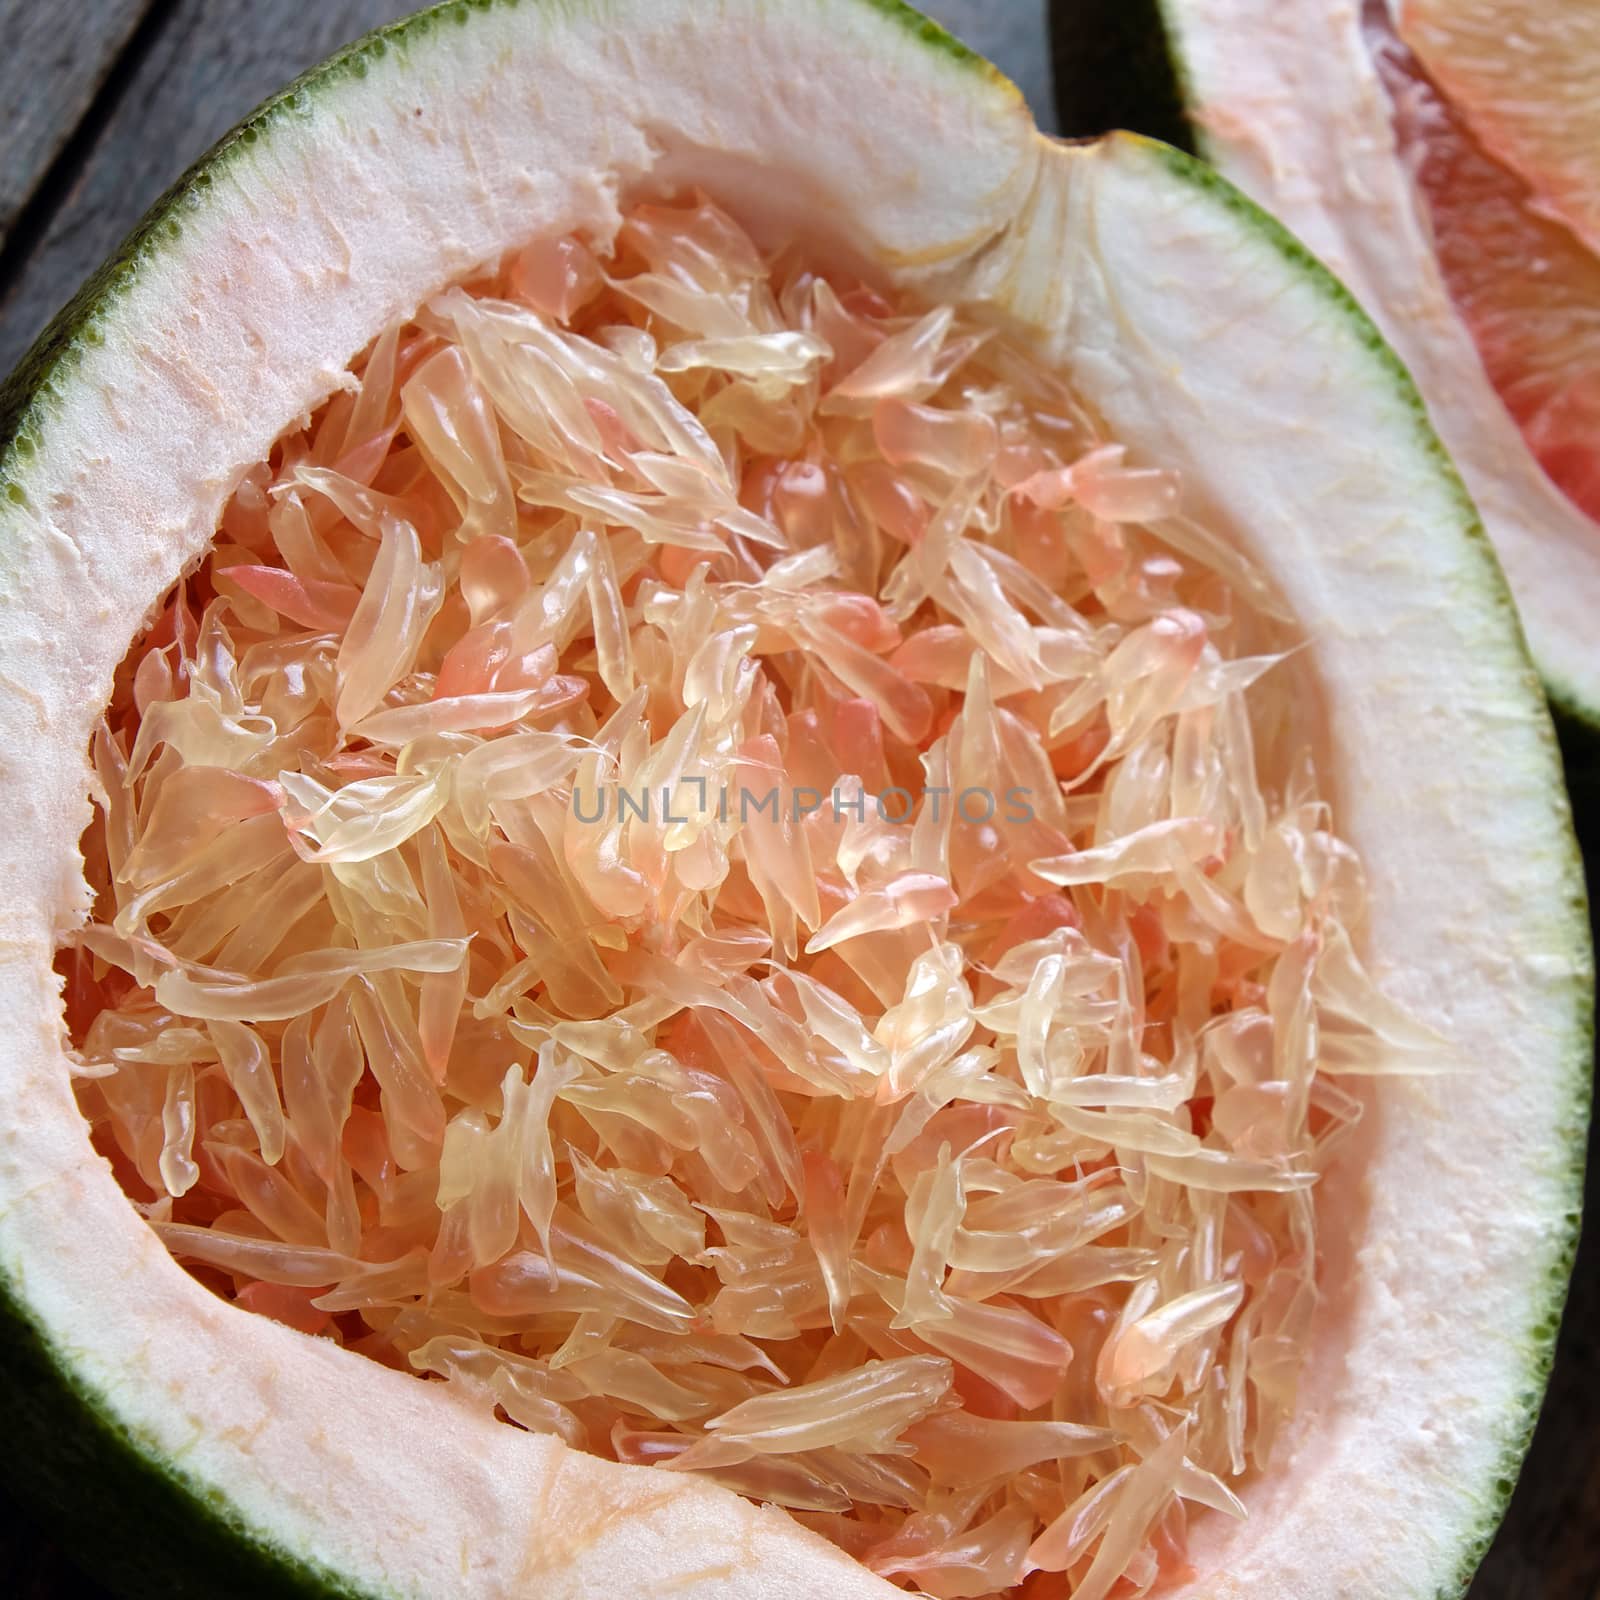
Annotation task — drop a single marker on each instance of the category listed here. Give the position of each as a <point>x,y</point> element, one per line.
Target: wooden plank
<point>55,59</point>
<point>212,62</point>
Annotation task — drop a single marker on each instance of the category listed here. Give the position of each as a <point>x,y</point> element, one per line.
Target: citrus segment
<point>1524,77</point>
<point>1527,288</point>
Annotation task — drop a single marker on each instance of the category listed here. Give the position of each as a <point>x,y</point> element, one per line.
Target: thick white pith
<point>1337,181</point>
<point>1200,342</point>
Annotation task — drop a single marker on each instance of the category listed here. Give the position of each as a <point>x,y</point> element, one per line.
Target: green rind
<point>1576,745</point>
<point>137,1522</point>
<point>926,31</point>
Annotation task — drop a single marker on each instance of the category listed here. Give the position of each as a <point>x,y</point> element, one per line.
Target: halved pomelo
<point>1322,115</point>
<point>470,170</point>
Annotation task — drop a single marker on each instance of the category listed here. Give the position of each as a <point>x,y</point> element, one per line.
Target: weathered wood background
<point>102,104</point>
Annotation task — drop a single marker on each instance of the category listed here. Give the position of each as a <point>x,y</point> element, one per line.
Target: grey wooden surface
<point>49,80</point>
<point>104,102</point>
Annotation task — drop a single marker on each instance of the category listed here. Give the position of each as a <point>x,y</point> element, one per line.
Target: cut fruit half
<point>407,591</point>
<point>1322,115</point>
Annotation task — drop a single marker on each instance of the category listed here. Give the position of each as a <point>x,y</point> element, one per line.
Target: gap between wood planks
<point>44,195</point>
<point>199,66</point>
<point>55,62</point>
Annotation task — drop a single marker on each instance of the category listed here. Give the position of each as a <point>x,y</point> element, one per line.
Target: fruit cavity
<point>709,863</point>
